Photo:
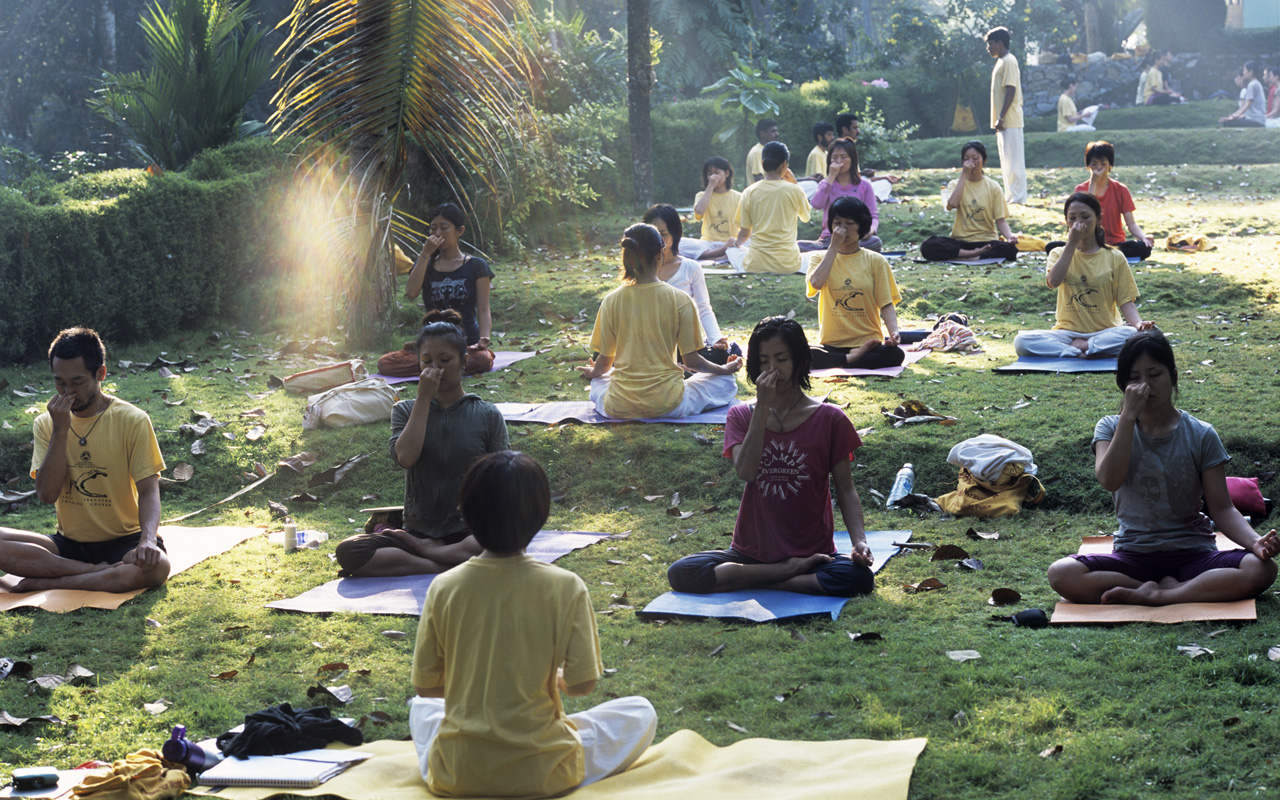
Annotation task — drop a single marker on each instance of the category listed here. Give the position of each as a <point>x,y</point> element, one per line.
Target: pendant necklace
<point>84,440</point>
<point>782,418</point>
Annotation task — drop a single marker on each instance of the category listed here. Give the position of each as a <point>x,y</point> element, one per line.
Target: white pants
<point>1080,126</point>
<point>702,392</point>
<point>1057,344</point>
<point>694,248</point>
<point>614,734</point>
<point>1013,165</point>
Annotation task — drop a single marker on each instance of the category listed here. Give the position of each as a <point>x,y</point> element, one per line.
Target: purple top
<point>828,193</point>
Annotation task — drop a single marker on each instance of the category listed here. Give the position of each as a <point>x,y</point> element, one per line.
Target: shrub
<point>135,256</point>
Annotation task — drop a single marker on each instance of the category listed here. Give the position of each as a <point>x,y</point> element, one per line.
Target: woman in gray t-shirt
<point>1157,462</point>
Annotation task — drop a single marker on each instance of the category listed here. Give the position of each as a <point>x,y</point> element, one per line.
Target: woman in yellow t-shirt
<point>716,207</point>
<point>640,329</point>
<point>1096,311</point>
<point>856,291</point>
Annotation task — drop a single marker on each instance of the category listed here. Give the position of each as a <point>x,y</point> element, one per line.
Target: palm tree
<point>365,79</point>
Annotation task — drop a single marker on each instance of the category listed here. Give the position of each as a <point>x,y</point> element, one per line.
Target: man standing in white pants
<point>1006,115</point>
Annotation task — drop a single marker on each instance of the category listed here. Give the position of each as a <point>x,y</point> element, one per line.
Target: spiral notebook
<point>305,769</point>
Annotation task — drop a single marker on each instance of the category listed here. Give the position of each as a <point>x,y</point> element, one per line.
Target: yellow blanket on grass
<point>682,767</point>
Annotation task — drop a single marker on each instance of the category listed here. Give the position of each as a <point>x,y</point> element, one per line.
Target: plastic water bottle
<point>902,484</point>
<point>195,757</point>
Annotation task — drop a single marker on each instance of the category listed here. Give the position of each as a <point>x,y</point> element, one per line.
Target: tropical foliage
<point>749,88</point>
<point>364,81</point>
<point>699,39</point>
<point>203,65</point>
<point>572,63</point>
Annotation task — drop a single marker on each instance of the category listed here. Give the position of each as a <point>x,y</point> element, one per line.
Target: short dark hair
<point>854,209</point>
<point>443,324</point>
<point>1254,66</point>
<point>1100,235</point>
<point>821,129</point>
<point>773,156</point>
<point>79,342</point>
<point>793,335</point>
<point>764,125</point>
<point>974,145</point>
<point>451,212</point>
<point>1099,149</point>
<point>668,214</point>
<point>722,164</point>
<point>641,244</point>
<point>845,120</point>
<point>505,500</point>
<point>1001,35</point>
<point>1066,81</point>
<point>1145,343</point>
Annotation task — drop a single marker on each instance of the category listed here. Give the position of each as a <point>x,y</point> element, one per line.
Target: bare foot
<point>1080,344</point>
<point>1148,594</point>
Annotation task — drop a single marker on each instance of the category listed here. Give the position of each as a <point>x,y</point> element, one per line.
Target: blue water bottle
<point>902,484</point>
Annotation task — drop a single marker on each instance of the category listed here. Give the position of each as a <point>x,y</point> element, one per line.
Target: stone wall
<point>1196,75</point>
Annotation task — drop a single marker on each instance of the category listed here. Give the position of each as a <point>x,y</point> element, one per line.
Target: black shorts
<point>111,551</point>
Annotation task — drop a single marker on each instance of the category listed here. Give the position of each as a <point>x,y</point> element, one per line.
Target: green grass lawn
<point>1133,716</point>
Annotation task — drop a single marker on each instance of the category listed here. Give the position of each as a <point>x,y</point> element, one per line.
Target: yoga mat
<point>405,595</point>
<point>1026,364</point>
<point>973,262</point>
<point>770,605</point>
<point>501,360</point>
<point>912,356</point>
<point>1065,613</point>
<point>684,766</point>
<point>186,547</point>
<point>583,411</point>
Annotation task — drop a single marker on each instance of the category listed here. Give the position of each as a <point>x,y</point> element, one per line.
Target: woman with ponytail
<point>434,439</point>
<point>1096,292</point>
<point>641,328</point>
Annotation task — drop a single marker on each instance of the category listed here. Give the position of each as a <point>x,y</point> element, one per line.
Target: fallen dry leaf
<point>972,564</point>
<point>1194,650</point>
<point>198,447</point>
<point>1049,752</point>
<point>869,636</point>
<point>1273,652</point>
<point>335,474</point>
<point>226,676</point>
<point>949,552</point>
<point>963,655</point>
<point>960,719</point>
<point>255,433</point>
<point>333,666</point>
<point>1003,597</point>
<point>719,649</point>
<point>297,463</point>
<point>926,585</point>
<point>157,708</point>
<point>975,534</point>
<point>736,727</point>
<point>341,694</point>
<point>394,634</point>
<point>8,720</point>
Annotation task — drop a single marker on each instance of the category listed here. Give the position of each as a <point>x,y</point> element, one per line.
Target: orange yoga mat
<point>186,547</point>
<point>1065,613</point>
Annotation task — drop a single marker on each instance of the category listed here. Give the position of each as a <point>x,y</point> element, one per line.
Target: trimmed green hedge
<point>137,256</point>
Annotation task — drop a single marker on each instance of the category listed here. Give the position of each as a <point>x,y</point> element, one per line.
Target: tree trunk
<point>639,90</point>
<point>1092,28</point>
<point>107,36</point>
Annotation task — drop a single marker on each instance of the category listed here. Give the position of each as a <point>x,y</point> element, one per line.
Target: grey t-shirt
<point>455,438</point>
<point>1257,111</point>
<point>1159,504</point>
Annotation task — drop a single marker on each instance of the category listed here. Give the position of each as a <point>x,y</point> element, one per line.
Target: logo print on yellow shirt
<point>1078,297</point>
<point>79,485</point>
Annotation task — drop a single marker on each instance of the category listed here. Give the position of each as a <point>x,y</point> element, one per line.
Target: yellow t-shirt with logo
<point>642,327</point>
<point>1066,110</point>
<point>1096,285</point>
<point>493,632</point>
<point>980,206</point>
<point>849,303</point>
<point>99,501</point>
<point>720,220</point>
<point>1005,73</point>
<point>771,210</point>
<point>817,162</point>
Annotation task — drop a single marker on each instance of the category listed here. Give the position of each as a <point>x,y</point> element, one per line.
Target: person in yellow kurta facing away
<point>640,328</point>
<point>97,460</point>
<point>1096,311</point>
<point>856,291</point>
<point>500,638</point>
<point>769,212</point>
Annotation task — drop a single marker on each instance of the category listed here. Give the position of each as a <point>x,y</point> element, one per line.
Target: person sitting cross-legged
<point>1158,463</point>
<point>789,448</point>
<point>1096,312</point>
<point>97,460</point>
<point>980,211</point>
<point>434,439</point>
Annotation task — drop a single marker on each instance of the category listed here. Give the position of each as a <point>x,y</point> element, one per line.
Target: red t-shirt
<point>1114,204</point>
<point>786,511</point>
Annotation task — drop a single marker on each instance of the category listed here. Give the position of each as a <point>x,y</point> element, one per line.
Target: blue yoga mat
<point>1026,364</point>
<point>770,605</point>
